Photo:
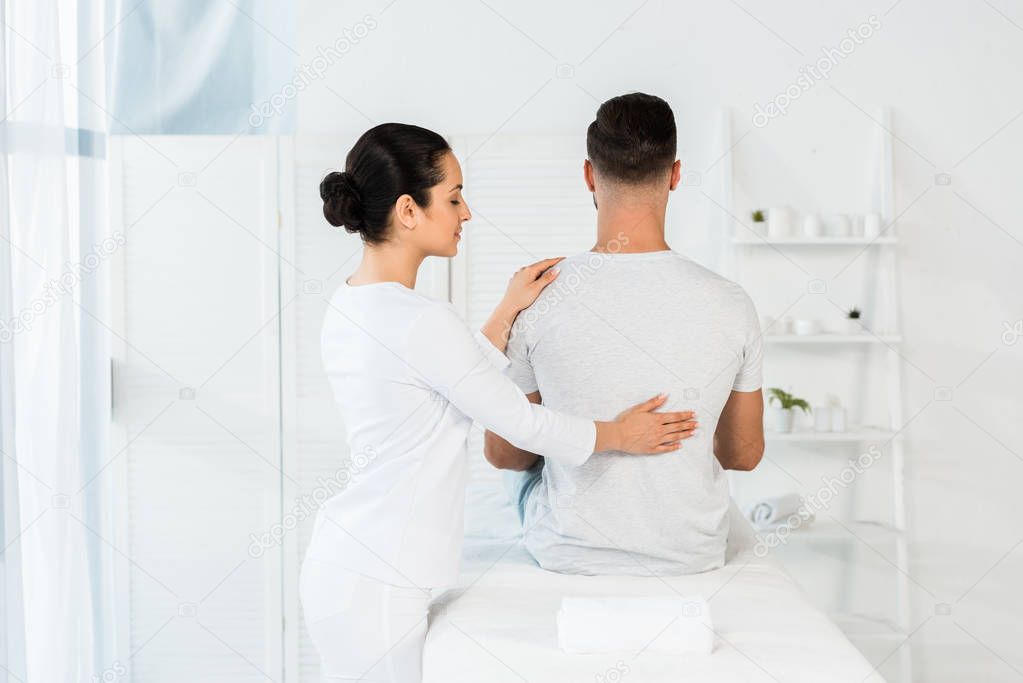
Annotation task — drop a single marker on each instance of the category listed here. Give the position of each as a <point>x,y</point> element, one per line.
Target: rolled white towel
<point>671,625</point>
<point>776,511</point>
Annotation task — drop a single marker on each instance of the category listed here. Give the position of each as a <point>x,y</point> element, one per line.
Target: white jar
<point>805,327</point>
<point>837,419</point>
<point>813,226</point>
<point>780,220</point>
<point>872,226</point>
<point>822,418</point>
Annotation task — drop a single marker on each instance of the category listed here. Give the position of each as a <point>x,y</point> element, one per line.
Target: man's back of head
<point>633,140</point>
<point>631,167</point>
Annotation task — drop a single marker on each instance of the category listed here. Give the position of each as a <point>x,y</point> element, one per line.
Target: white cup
<point>804,327</point>
<point>872,226</point>
<point>813,226</point>
<point>779,221</point>
<point>856,220</point>
<point>822,418</point>
<point>837,419</point>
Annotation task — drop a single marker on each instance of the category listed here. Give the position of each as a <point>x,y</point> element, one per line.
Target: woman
<point>410,379</point>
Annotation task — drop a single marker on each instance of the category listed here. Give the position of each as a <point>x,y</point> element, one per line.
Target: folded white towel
<point>776,511</point>
<point>672,625</point>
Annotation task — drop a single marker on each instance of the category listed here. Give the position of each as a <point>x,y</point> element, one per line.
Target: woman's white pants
<point>364,630</point>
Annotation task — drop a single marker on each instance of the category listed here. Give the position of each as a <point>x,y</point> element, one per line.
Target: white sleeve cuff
<point>587,436</point>
<point>496,358</point>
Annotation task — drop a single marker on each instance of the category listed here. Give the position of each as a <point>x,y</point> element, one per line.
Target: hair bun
<point>342,201</point>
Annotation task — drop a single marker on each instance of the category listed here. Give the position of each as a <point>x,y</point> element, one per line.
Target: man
<point>623,321</point>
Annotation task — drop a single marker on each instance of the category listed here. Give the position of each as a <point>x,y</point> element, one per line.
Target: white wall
<point>950,72</point>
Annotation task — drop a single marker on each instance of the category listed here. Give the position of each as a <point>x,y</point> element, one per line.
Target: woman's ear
<point>407,212</point>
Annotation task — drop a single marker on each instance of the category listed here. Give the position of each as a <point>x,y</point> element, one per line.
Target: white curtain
<point>53,558</point>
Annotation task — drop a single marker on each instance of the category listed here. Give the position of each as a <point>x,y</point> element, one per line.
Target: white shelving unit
<point>891,533</point>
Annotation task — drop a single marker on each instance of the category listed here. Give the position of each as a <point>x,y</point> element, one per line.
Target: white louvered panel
<point>326,255</point>
<point>529,202</point>
<point>191,501</point>
<point>197,397</point>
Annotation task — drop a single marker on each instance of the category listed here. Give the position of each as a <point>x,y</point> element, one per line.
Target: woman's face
<point>439,229</point>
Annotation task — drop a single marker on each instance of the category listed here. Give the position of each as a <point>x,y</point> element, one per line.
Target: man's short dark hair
<point>633,138</point>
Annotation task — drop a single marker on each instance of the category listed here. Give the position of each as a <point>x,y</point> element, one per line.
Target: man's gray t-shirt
<point>611,331</point>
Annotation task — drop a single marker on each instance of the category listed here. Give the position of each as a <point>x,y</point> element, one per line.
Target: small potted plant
<point>852,321</point>
<point>782,405</point>
<point>759,222</point>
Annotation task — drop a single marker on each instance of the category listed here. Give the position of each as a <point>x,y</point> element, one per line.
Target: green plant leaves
<point>787,401</point>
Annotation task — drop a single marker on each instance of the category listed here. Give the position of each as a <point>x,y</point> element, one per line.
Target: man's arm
<point>739,437</point>
<point>505,456</point>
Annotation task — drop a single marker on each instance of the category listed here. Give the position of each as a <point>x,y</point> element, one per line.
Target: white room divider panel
<point>528,202</point>
<point>196,406</point>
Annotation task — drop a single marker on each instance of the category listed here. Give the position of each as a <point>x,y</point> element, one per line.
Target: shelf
<point>865,627</point>
<point>851,436</point>
<point>834,532</point>
<point>812,241</point>
<point>832,338</point>
<point>831,532</point>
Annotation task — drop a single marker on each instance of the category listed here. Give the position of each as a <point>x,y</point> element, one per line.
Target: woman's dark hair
<point>388,161</point>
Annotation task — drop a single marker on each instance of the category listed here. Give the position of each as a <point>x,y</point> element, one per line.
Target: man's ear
<point>588,176</point>
<point>676,175</point>
<point>406,211</point>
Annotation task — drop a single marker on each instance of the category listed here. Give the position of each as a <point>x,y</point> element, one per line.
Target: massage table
<point>499,623</point>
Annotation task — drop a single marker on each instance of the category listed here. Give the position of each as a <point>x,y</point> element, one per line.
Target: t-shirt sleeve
<point>520,369</point>
<point>750,376</point>
<point>444,355</point>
